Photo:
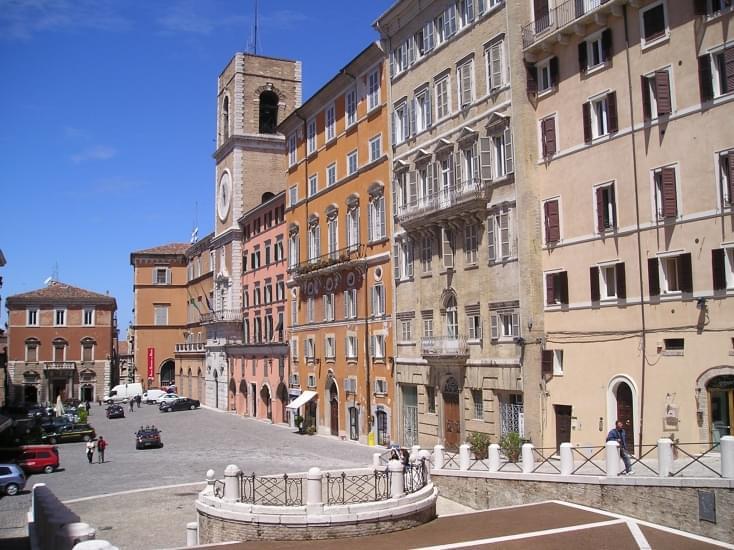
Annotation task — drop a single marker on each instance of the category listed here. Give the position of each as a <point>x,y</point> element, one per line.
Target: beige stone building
<point>634,153</point>
<point>468,299</point>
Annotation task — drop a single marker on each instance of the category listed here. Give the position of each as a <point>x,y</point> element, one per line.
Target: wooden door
<point>334,416</point>
<point>625,413</point>
<point>452,422</point>
<point>563,425</point>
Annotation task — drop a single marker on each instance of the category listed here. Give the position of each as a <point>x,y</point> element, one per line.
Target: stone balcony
<point>569,17</point>
<point>447,204</point>
<point>191,348</point>
<point>222,316</point>
<point>336,260</point>
<point>444,346</point>
<point>59,365</point>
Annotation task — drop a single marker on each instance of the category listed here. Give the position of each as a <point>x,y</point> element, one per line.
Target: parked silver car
<point>12,479</point>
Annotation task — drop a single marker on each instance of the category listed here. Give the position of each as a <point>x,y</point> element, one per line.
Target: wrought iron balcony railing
<point>330,260</point>
<point>442,199</point>
<point>444,346</point>
<point>222,316</point>
<point>558,17</point>
<point>191,347</point>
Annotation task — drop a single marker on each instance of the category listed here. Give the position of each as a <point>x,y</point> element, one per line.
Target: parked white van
<point>152,396</point>
<point>124,392</point>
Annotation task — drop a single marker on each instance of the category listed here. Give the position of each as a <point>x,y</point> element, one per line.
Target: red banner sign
<point>151,363</point>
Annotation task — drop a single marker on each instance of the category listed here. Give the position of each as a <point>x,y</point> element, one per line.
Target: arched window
<point>268,112</point>
<point>452,319</point>
<point>225,118</point>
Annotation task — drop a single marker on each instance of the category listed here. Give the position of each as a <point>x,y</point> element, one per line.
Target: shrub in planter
<point>479,442</point>
<point>298,421</point>
<point>311,430</point>
<point>511,444</point>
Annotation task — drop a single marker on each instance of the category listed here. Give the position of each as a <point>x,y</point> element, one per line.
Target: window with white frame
<point>278,248</point>
<point>443,108</point>
<point>350,303</point>
<point>332,241</point>
<point>426,254</point>
<point>401,123</point>
<point>725,177</point>
<point>495,60</point>
<point>352,164</point>
<point>547,74</point>
<point>292,150</point>
<point>653,23</point>
<point>329,347</point>
<point>161,276</point>
<point>314,242</point>
<point>160,314</point>
<point>657,99</point>
<point>294,311</point>
<point>313,185</point>
<point>59,317</point>
<point>294,348</point>
<point>331,174</point>
<point>402,57</point>
<point>608,282</point>
<point>451,319</point>
<point>465,80</point>
<point>88,317</point>
<point>380,386</point>
<point>32,317</point>
<point>378,300</point>
<point>309,348</point>
<point>422,107</point>
<point>665,192</point>
<point>670,274</point>
<point>309,310</point>
<point>351,346</point>
<point>474,327</point>
<point>478,402</point>
<point>87,350</point>
<point>471,244</point>
<point>406,330</point>
<point>438,23</point>
<point>330,123</point>
<point>373,89</point>
<point>424,39</point>
<point>670,271</point>
<point>329,307</point>
<point>245,297</point>
<point>600,116</point>
<point>428,328</point>
<point>499,235</point>
<point>375,148</point>
<point>449,21</point>
<point>352,229</point>
<point>402,259</point>
<point>377,342</point>
<point>256,295</point>
<point>469,165</point>
<point>447,247</point>
<point>505,325</point>
<point>502,154</point>
<point>351,106</point>
<point>311,136</point>
<point>280,291</point>
<point>595,51</point>
<point>293,254</point>
<point>557,362</point>
<point>606,208</point>
<point>292,195</point>
<point>268,294</point>
<point>376,210</point>
<point>466,11</point>
<point>716,72</point>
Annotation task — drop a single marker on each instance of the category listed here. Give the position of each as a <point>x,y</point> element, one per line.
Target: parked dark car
<point>70,432</point>
<point>148,437</point>
<point>180,404</point>
<point>115,411</point>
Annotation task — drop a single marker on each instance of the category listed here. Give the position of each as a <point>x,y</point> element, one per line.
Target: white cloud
<point>187,16</point>
<point>96,152</point>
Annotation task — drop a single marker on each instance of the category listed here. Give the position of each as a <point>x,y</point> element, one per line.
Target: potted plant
<point>511,444</point>
<point>298,421</point>
<point>479,442</point>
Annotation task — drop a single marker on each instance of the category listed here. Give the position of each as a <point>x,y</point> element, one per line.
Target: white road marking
<point>132,491</point>
<point>639,536</point>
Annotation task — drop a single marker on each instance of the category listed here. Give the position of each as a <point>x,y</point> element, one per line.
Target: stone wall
<point>670,502</point>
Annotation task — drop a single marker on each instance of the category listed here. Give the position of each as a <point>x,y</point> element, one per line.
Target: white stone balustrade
<point>727,456</point>
<point>528,459</point>
<point>232,483</point>
<point>566,459</point>
<point>665,457</point>
<point>438,459</point>
<point>464,456</point>
<point>611,449</point>
<point>494,457</point>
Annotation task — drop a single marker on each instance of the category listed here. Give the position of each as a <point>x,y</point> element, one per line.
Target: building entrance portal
<point>451,415</point>
<point>625,412</point>
<point>30,394</point>
<point>410,416</point>
<point>721,405</point>
<point>87,393</point>
<point>334,402</point>
<point>563,424</point>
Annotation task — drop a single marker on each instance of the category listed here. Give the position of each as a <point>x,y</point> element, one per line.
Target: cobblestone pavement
<point>194,441</point>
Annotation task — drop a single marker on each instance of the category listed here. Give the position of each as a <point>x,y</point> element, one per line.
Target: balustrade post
<point>438,457</point>
<point>665,456</point>
<point>376,460</point>
<point>425,456</point>
<point>232,483</point>
<point>210,481</point>
<point>464,458</point>
<point>566,459</point>
<point>397,478</point>
<point>528,459</point>
<point>494,457</point>
<point>192,533</point>
<point>314,481</point>
<point>612,455</point>
<point>727,456</point>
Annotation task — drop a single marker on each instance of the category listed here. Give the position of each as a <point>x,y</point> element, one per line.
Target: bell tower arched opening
<point>268,112</point>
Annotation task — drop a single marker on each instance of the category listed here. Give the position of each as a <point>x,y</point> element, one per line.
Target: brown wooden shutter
<point>730,171</point>
<point>653,276</point>
<point>662,93</point>
<point>546,362</point>
<point>563,284</point>
<point>549,136</point>
<point>718,268</point>
<point>594,284</point>
<point>550,289</point>
<point>586,111</point>
<point>621,280</point>
<point>729,68</point>
<point>583,62</point>
<point>704,78</point>
<point>612,112</point>
<point>554,72</point>
<point>606,45</point>
<point>685,273</point>
<point>552,222</point>
<point>646,110</point>
<point>531,72</point>
<point>670,204</point>
<point>600,225</point>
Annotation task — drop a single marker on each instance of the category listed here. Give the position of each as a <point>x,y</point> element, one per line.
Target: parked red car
<point>38,458</point>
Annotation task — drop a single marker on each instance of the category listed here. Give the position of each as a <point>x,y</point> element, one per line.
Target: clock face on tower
<point>224,196</point>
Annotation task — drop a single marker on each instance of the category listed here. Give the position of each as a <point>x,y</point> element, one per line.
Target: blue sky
<point>107,122</point>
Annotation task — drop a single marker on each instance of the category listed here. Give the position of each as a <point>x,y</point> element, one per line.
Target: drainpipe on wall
<point>633,144</point>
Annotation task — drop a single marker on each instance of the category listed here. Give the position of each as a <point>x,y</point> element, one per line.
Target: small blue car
<point>12,479</point>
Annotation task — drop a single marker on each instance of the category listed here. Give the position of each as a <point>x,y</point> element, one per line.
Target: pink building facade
<point>259,366</point>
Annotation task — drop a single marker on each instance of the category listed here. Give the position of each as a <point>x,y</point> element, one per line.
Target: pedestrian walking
<point>132,404</point>
<point>101,446</point>
<point>138,399</point>
<point>90,451</point>
<point>620,436</point>
<point>87,406</point>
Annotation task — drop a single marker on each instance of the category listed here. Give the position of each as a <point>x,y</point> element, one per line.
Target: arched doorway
<point>243,397</point>
<point>190,393</point>
<point>451,414</point>
<point>216,389</point>
<point>334,408</point>
<point>282,394</point>
<point>231,395</point>
<point>268,112</point>
<point>168,374</point>
<point>382,429</point>
<point>622,405</point>
<point>721,406</point>
<point>266,401</point>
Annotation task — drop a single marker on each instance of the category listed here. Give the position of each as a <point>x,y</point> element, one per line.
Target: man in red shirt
<point>101,446</point>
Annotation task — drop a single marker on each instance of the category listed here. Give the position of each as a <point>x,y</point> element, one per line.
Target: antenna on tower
<point>256,18</point>
<point>252,47</point>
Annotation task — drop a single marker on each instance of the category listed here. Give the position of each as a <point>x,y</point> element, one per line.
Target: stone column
<point>464,457</point>
<point>612,453</point>
<point>438,457</point>
<point>494,457</point>
<point>313,487</point>
<point>232,483</point>
<point>727,457</point>
<point>528,459</point>
<point>665,457</point>
<point>397,479</point>
<point>566,459</point>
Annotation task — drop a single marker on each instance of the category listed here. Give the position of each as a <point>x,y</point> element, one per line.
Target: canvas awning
<point>302,399</point>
